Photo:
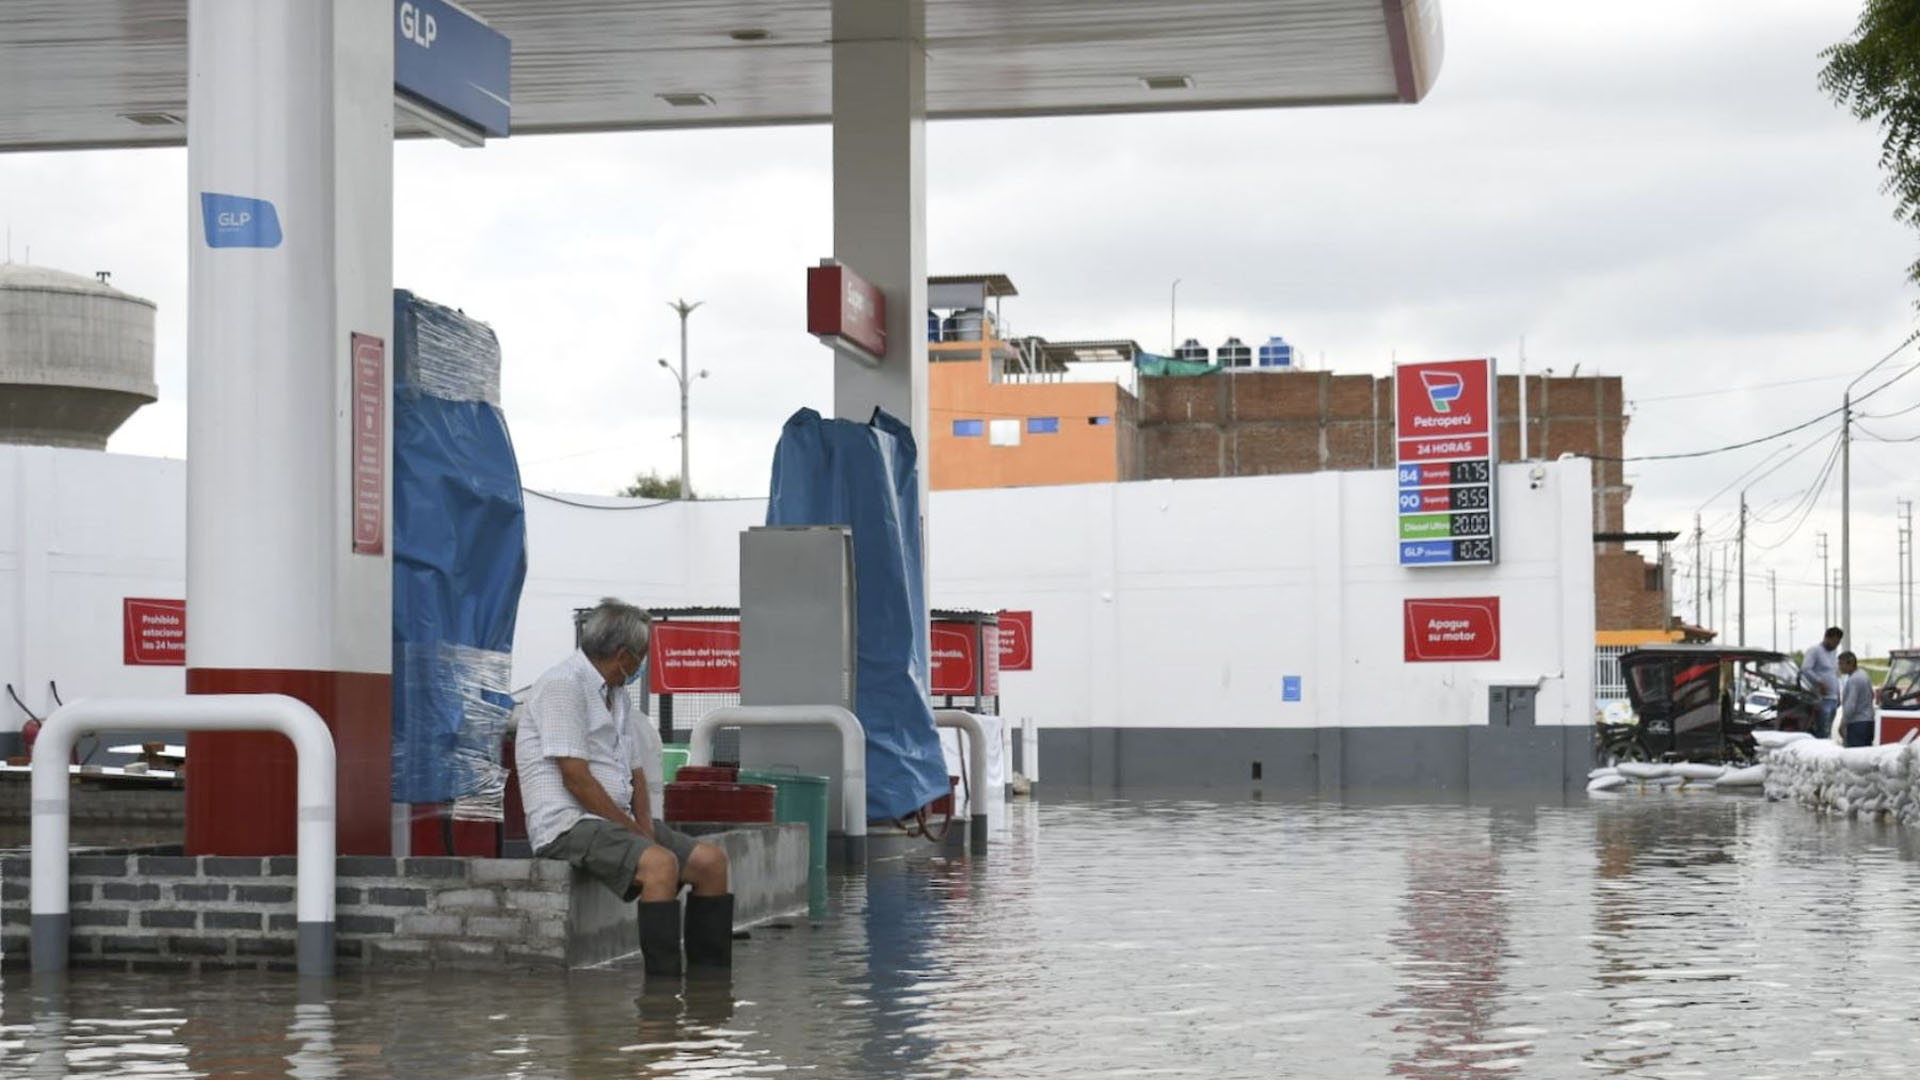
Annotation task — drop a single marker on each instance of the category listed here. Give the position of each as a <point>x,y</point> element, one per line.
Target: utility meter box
<point>797,645</point>
<point>1511,705</point>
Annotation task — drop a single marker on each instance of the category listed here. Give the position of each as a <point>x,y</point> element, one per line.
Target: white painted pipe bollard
<point>853,753</point>
<point>965,721</point>
<point>195,712</point>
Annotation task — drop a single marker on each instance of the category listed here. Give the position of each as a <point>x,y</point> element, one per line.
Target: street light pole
<point>1173,318</point>
<point>685,380</point>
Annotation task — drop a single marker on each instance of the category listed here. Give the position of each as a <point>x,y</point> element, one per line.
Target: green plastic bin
<point>800,798</point>
<point>672,756</point>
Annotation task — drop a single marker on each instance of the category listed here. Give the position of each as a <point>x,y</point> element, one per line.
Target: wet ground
<point>1675,936</point>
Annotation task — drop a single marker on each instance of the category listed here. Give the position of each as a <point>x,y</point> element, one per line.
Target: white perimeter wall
<point>1168,603</point>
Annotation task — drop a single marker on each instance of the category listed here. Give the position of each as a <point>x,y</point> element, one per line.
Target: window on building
<point>1043,425</point>
<point>1003,433</point>
<point>1100,421</point>
<point>969,429</point>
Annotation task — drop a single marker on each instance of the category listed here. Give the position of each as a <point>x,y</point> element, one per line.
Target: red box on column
<point>843,309</point>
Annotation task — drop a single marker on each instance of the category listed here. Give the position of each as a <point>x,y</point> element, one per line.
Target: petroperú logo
<point>1443,388</point>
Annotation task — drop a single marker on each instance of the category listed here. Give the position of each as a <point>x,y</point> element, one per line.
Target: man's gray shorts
<point>610,853</point>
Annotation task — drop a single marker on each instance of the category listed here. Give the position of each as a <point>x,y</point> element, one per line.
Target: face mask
<point>635,677</point>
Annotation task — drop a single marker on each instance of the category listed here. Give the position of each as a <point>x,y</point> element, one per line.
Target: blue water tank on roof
<point>1276,354</point>
<point>933,326</point>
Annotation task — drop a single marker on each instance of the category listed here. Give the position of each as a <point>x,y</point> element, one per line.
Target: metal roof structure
<point>994,285</point>
<point>107,73</point>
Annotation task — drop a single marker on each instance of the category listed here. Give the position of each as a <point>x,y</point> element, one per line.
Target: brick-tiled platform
<point>144,911</point>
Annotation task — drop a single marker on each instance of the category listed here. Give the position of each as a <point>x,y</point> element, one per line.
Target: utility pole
<point>1793,617</point>
<point>681,376</point>
<point>1826,579</point>
<point>1846,488</point>
<point>1904,597</point>
<point>1698,618</point>
<point>1711,616</point>
<point>1743,568</point>
<point>1773,598</point>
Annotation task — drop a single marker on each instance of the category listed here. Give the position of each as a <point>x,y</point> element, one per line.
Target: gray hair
<point>614,625</point>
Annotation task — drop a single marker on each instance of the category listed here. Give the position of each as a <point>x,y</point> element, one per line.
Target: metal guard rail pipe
<point>199,712</point>
<point>965,721</point>
<point>853,752</point>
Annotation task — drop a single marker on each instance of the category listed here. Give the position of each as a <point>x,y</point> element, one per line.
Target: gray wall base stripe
<point>314,951</point>
<point>50,941</point>
<point>1328,761</point>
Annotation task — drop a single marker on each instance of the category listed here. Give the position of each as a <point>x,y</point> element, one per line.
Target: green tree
<point>1876,75</point>
<point>651,485</point>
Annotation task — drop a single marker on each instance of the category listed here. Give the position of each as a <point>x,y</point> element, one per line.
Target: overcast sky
<point>1651,189</point>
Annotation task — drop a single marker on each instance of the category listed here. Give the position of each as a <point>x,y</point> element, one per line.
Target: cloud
<point>1651,189</point>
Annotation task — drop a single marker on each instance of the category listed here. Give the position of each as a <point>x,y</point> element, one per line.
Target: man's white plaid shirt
<point>567,714</point>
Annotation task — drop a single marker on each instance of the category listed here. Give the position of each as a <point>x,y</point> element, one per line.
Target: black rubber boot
<point>710,931</point>
<point>660,937</point>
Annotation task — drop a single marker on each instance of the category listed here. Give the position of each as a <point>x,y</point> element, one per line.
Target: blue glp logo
<point>237,221</point>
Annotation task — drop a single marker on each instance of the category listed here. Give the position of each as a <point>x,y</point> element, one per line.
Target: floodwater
<point>1664,936</point>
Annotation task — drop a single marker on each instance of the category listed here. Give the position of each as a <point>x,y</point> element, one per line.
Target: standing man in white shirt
<point>583,780</point>
<point>1821,666</point>
<point>1856,702</point>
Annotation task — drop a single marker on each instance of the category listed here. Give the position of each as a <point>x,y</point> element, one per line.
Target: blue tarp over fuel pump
<point>866,477</point>
<point>459,560</point>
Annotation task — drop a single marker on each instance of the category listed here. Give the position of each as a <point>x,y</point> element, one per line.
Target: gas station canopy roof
<point>114,72</point>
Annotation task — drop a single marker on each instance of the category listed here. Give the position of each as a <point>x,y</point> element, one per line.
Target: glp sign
<point>417,26</point>
<point>453,64</point>
<point>238,221</point>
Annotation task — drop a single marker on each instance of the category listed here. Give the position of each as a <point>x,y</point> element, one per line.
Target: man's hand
<point>592,797</point>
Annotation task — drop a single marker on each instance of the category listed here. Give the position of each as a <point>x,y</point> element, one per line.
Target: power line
<point>1805,510</point>
<point>1876,437</point>
<point>1910,369</point>
<point>1734,389</point>
<point>1890,415</point>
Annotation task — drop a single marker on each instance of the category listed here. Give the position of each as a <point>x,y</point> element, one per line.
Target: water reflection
<point>1453,948</point>
<point>1642,937</point>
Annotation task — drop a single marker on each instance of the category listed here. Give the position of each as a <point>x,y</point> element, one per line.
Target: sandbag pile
<point>1865,780</point>
<point>1648,775</point>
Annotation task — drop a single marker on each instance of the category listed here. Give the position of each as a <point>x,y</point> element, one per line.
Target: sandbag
<point>1688,770</point>
<point>1643,770</point>
<point>1751,776</point>
<point>1607,783</point>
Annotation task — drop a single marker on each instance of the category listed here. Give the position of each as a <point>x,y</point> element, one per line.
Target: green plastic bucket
<point>672,756</point>
<point>799,798</point>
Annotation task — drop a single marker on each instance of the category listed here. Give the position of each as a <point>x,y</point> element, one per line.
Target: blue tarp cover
<point>459,559</point>
<point>866,477</point>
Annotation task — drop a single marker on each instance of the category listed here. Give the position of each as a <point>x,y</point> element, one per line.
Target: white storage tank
<point>76,357</point>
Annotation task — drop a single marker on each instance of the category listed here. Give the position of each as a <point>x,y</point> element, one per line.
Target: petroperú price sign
<point>1444,413</point>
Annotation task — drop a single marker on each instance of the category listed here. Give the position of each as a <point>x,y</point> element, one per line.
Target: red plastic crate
<point>698,800</point>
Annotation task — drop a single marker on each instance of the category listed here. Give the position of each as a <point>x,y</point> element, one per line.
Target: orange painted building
<point>1002,414</point>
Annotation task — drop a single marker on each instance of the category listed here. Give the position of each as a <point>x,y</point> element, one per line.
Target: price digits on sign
<point>1479,550</point>
<point>1469,498</point>
<point>1469,525</point>
<point>1469,472</point>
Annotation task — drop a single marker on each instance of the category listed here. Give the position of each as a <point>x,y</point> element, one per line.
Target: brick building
<point>1013,412</point>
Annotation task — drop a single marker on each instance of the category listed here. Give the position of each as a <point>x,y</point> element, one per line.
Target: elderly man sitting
<point>584,784</point>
